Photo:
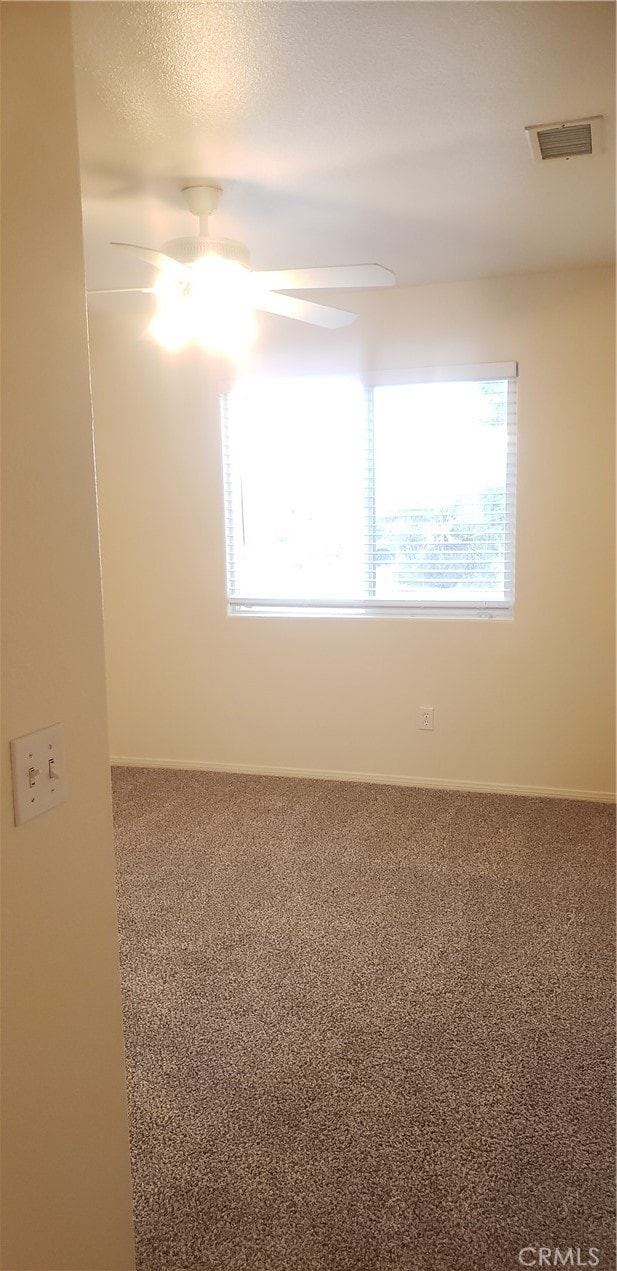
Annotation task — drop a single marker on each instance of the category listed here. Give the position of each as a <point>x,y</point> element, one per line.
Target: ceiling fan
<point>208,292</point>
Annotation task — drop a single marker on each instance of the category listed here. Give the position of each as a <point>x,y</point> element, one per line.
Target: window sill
<point>423,612</point>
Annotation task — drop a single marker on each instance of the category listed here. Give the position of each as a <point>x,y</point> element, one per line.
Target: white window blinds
<point>394,498</point>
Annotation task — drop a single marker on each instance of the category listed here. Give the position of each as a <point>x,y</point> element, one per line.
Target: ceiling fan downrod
<point>202,201</point>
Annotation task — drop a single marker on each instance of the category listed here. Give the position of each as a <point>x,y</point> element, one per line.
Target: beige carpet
<point>368,1028</point>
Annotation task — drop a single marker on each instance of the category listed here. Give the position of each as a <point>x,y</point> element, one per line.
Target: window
<point>397,498</point>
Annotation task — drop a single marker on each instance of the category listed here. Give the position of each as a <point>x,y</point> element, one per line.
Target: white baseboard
<point>373,778</point>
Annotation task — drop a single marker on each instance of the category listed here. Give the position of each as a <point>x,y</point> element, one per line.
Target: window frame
<point>372,607</point>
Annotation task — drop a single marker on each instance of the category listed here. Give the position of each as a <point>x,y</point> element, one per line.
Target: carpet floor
<point>368,1028</point>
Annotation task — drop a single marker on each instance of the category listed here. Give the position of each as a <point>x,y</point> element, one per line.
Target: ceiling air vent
<point>565,140</point>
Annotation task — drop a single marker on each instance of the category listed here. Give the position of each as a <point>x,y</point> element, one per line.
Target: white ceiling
<point>345,132</point>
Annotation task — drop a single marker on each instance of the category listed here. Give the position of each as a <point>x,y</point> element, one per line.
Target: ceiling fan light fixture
<point>220,278</point>
<point>212,309</point>
<point>178,323</point>
<point>189,251</point>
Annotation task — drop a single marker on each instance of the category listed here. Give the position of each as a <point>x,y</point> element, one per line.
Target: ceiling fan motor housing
<point>188,250</point>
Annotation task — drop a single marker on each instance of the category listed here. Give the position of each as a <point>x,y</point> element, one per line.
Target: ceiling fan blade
<point>304,310</point>
<point>117,291</point>
<point>167,263</point>
<point>329,276</point>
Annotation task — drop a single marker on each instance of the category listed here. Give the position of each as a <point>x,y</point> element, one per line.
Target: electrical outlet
<point>426,718</point>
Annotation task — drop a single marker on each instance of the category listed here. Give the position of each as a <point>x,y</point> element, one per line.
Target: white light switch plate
<point>39,781</point>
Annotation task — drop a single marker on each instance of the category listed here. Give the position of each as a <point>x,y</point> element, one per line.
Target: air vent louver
<point>565,140</point>
<point>560,143</point>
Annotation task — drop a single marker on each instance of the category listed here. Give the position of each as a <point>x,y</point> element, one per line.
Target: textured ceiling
<point>345,132</point>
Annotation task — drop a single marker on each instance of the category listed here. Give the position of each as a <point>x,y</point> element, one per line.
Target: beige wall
<point>66,1179</point>
<point>525,704</point>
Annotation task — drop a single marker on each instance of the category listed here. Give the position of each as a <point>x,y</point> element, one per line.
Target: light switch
<point>39,781</point>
